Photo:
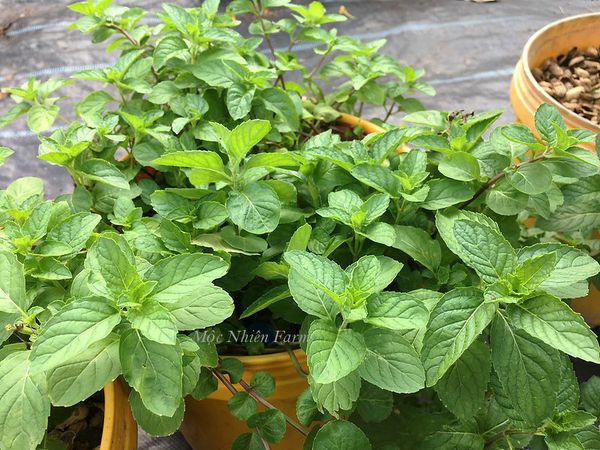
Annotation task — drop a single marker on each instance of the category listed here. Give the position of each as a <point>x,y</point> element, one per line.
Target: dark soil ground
<point>468,49</point>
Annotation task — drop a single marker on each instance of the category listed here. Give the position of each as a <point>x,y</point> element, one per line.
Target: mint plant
<point>215,193</point>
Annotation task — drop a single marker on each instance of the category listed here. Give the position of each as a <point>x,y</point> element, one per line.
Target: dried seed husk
<point>573,78</point>
<point>576,60</point>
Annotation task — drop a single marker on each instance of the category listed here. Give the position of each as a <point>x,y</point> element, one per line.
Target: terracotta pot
<point>557,38</point>
<point>208,423</point>
<point>119,431</point>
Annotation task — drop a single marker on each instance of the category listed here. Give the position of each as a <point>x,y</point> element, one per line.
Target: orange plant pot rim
<point>369,127</point>
<point>270,358</point>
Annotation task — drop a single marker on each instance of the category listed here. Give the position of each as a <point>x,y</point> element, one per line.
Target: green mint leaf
<point>104,172</point>
<point>589,438</point>
<point>380,232</point>
<point>505,200</point>
<point>206,385</point>
<point>25,407</point>
<point>263,383</point>
<point>48,269</point>
<point>545,116</point>
<point>455,322</point>
<point>391,362</point>
<point>239,100</point>
<point>444,193</point>
<point>25,189</point>
<point>345,200</point>
<point>522,135</point>
<point>167,48</point>
<point>174,238</point>
<point>579,210</point>
<point>563,441</point>
<point>14,112</point>
<point>552,321</point>
<point>446,219</point>
<point>245,136</point>
<point>37,223</point>
<point>419,245</point>
<point>387,143</point>
<point>306,408</point>
<point>112,267</point>
<point>208,305</point>
<point>432,119</point>
<point>477,124</point>
<point>180,275</point>
<point>316,283</point>
<point>210,215</point>
<point>485,250</point>
<point>154,321</point>
<point>192,366</point>
<point>364,274</point>
<point>86,373</point>
<point>270,423</point>
<point>242,406</point>
<point>528,371</point>
<point>41,117</point>
<point>379,178</point>
<point>396,311</point>
<point>13,301</point>
<point>432,141</point>
<point>374,207</point>
<point>74,231</point>
<point>533,271</point>
<point>341,435</point>
<point>590,395</point>
<point>279,102</point>
<point>163,92</point>
<point>572,265</point>
<point>154,370</point>
<point>200,159</point>
<point>155,424</point>
<point>332,352</point>
<point>234,367</point>
<point>300,238</point>
<point>452,439</point>
<point>531,179</point>
<point>172,206</point>
<point>255,208</point>
<point>390,268</point>
<point>567,397</point>
<point>460,166</point>
<point>72,330</point>
<point>248,441</point>
<point>462,389</point>
<point>247,243</point>
<point>278,159</point>
<point>207,167</point>
<point>269,298</point>
<point>219,73</point>
<point>374,404</point>
<point>337,396</point>
<point>573,420</point>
